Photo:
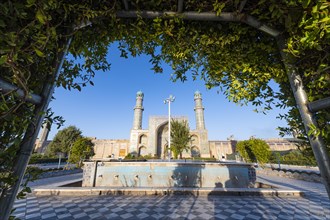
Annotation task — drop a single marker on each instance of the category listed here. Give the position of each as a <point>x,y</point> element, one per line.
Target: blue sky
<point>105,110</point>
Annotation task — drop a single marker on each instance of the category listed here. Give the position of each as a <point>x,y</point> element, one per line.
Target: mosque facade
<point>153,141</point>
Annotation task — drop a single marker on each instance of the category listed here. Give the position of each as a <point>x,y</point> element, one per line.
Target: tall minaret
<point>199,111</point>
<point>137,123</point>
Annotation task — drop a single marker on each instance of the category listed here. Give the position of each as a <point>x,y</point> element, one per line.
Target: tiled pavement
<point>55,181</point>
<point>315,205</point>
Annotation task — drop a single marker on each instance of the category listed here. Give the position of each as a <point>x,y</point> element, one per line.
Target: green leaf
<point>305,3</point>
<point>30,3</point>
<point>39,53</point>
<point>3,59</point>
<point>326,19</point>
<point>324,6</point>
<point>41,17</point>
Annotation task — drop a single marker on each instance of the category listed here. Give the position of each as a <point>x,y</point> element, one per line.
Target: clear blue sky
<point>105,110</point>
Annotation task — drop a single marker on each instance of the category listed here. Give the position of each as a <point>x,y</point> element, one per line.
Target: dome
<point>197,94</point>
<point>139,94</point>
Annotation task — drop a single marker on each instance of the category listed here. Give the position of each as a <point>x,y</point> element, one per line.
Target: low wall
<point>59,173</point>
<point>168,174</point>
<point>293,174</point>
<point>55,173</point>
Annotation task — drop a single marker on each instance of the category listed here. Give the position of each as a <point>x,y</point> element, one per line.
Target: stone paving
<point>55,181</point>
<point>314,205</point>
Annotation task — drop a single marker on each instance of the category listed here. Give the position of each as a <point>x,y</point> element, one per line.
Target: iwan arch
<point>154,140</point>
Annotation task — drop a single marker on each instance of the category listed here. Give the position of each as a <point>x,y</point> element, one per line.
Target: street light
<point>169,100</point>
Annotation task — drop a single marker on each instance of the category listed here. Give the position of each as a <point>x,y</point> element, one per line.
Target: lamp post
<point>69,154</point>
<point>169,100</point>
<point>59,159</point>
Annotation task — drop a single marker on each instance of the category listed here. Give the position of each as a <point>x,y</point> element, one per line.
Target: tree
<point>64,140</point>
<point>180,137</point>
<point>82,148</point>
<point>254,150</point>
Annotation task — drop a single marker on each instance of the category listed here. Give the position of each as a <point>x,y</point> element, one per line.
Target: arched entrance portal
<point>143,139</point>
<point>195,152</point>
<point>142,151</point>
<point>162,139</point>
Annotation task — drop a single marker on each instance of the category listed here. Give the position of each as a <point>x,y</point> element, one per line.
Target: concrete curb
<point>292,174</point>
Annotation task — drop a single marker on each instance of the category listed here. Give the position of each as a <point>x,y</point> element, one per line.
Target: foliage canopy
<point>64,140</point>
<point>82,149</point>
<point>295,157</point>
<point>233,57</point>
<point>254,150</point>
<point>180,137</point>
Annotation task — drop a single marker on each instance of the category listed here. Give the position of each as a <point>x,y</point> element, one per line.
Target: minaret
<point>199,111</point>
<point>137,123</point>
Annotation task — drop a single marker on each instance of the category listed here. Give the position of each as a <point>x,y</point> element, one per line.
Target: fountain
<point>168,174</point>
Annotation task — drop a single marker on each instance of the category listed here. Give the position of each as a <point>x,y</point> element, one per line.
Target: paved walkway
<point>55,181</point>
<point>315,205</point>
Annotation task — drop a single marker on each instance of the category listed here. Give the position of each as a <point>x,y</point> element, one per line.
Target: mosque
<point>153,141</point>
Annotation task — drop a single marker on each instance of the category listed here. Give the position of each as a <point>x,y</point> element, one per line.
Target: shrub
<point>294,157</point>
<point>39,158</point>
<point>254,150</point>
